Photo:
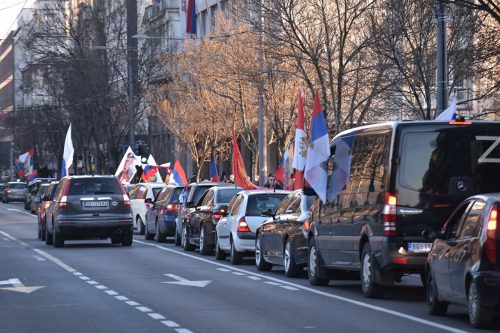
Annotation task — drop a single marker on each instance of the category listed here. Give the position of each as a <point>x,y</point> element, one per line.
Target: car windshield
<point>156,190</point>
<point>263,202</point>
<point>225,195</point>
<point>88,186</point>
<point>198,194</point>
<point>17,186</point>
<point>174,198</point>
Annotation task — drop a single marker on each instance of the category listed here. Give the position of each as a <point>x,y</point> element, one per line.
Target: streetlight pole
<point>442,65</point>
<point>261,137</point>
<point>132,66</point>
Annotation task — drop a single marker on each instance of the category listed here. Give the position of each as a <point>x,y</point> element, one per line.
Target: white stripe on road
<point>182,330</point>
<point>273,283</point>
<point>8,236</point>
<point>55,260</point>
<point>255,278</point>
<point>170,323</point>
<point>121,298</point>
<point>289,288</point>
<point>144,309</point>
<point>111,292</point>
<point>314,291</point>
<point>39,258</point>
<point>101,287</point>
<point>132,303</point>
<point>156,316</point>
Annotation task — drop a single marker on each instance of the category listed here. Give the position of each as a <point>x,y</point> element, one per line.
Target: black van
<point>390,186</point>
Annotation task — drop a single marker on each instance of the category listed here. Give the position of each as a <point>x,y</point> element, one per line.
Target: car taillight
<point>491,235</point>
<point>219,214</point>
<point>63,203</point>
<point>172,207</point>
<point>242,225</point>
<point>306,225</point>
<point>126,199</point>
<point>390,219</point>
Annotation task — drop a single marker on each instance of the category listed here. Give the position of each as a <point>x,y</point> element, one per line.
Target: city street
<point>94,286</point>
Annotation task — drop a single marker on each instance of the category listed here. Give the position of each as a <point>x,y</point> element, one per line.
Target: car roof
<point>89,176</point>
<point>269,191</point>
<point>486,196</point>
<point>9,183</point>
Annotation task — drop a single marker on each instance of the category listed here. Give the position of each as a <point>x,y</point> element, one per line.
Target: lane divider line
<point>315,291</point>
<point>55,260</point>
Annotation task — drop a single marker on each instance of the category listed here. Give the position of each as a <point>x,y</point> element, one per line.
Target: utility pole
<point>442,64</point>
<point>132,67</point>
<point>261,112</point>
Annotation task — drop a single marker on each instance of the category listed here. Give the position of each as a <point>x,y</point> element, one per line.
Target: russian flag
<point>148,172</point>
<point>191,17</point>
<point>450,114</point>
<point>318,151</point>
<point>214,176</point>
<point>178,174</point>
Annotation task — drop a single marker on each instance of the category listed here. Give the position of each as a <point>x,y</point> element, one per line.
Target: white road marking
<point>55,261</point>
<point>156,316</point>
<point>132,303</point>
<point>6,239</point>
<point>84,278</point>
<point>77,273</point>
<point>121,298</point>
<point>185,282</point>
<point>101,287</point>
<point>289,288</point>
<point>144,309</point>
<point>170,323</point>
<point>8,236</point>
<point>24,244</point>
<point>255,278</point>
<point>182,330</point>
<point>223,269</point>
<point>238,273</point>
<point>272,283</point>
<point>92,282</point>
<point>111,292</point>
<point>39,258</point>
<point>314,291</point>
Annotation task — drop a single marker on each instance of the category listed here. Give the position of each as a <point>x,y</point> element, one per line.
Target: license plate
<point>419,247</point>
<point>95,204</point>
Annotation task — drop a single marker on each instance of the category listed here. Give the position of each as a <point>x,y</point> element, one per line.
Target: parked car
<point>235,234</point>
<point>281,239</point>
<point>200,228</point>
<point>89,207</point>
<point>14,191</point>
<point>35,202</point>
<point>191,198</point>
<point>393,182</point>
<point>160,217</point>
<point>45,201</point>
<point>2,187</point>
<point>32,189</point>
<point>141,197</point>
<point>463,265</point>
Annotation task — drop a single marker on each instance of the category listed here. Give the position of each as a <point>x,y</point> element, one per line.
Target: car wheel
<point>116,239</point>
<point>291,268</point>
<point>204,248</point>
<point>140,226</point>
<point>480,316</point>
<point>147,235</point>
<point>39,231</point>
<point>185,240</point>
<point>260,262</point>
<point>42,236</point>
<point>58,239</point>
<point>127,238</point>
<point>159,237</point>
<point>219,254</point>
<point>370,288</point>
<point>434,305</point>
<point>177,241</point>
<point>313,266</point>
<point>48,236</point>
<point>236,257</point>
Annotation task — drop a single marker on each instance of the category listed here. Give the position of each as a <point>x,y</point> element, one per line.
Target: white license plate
<point>95,204</point>
<point>419,247</point>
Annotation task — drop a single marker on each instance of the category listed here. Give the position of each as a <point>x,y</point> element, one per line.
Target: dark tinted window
<point>156,190</point>
<point>18,186</point>
<point>225,195</point>
<point>89,186</point>
<point>282,207</point>
<point>471,224</point>
<point>163,194</point>
<point>262,202</point>
<point>208,200</point>
<point>174,197</point>
<point>199,192</point>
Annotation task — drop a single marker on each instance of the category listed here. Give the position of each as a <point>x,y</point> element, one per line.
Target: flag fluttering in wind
<point>178,175</point>
<point>318,151</point>
<point>341,167</point>
<point>285,169</point>
<point>191,17</point>
<point>300,147</point>
<point>26,166</point>
<point>127,168</point>
<point>214,176</point>
<point>150,173</point>
<point>68,153</point>
<point>450,113</point>
<point>240,173</point>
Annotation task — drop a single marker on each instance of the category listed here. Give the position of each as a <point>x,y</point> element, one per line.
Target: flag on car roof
<point>450,113</point>
<point>178,174</point>
<point>300,147</point>
<point>318,151</point>
<point>150,173</point>
<point>191,17</point>
<point>214,176</point>
<point>68,153</point>
<point>240,173</point>
<point>284,172</point>
<point>341,167</point>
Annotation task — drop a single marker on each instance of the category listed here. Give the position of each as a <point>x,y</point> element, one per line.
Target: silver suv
<point>89,207</point>
<point>14,191</point>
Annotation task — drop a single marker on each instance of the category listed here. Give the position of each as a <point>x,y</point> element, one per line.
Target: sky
<point>9,9</point>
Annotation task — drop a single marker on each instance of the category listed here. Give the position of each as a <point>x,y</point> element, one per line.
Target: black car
<point>189,199</point>
<point>387,184</point>
<point>37,198</point>
<point>200,228</point>
<point>32,190</point>
<point>89,207</point>
<point>463,265</point>
<point>160,217</point>
<point>281,239</point>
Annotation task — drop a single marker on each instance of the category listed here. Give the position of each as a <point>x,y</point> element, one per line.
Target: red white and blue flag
<point>318,151</point>
<point>284,172</point>
<point>191,17</point>
<point>150,173</point>
<point>26,165</point>
<point>214,176</point>
<point>300,147</point>
<point>178,174</point>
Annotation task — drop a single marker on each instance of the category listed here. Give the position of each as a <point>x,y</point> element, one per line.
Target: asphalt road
<point>94,286</point>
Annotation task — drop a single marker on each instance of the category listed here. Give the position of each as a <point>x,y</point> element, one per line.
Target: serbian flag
<point>150,173</point>
<point>191,17</point>
<point>214,176</point>
<point>178,174</point>
<point>284,172</point>
<point>240,173</point>
<point>318,151</point>
<point>300,147</point>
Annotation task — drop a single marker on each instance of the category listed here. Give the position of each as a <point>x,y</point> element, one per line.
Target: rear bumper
<point>93,227</point>
<point>13,197</point>
<point>167,225</point>
<point>489,287</point>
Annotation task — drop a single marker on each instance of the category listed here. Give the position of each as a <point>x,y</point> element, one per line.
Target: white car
<point>246,212</point>
<point>142,196</point>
